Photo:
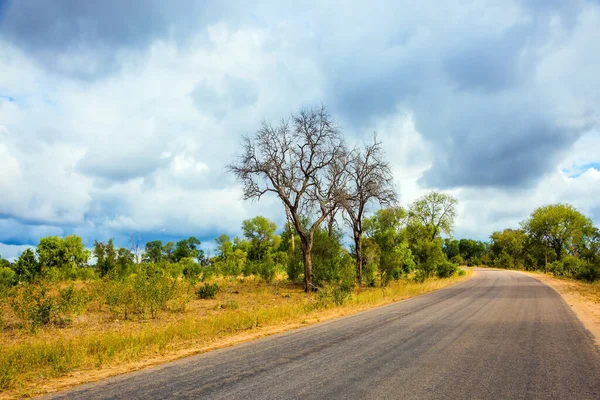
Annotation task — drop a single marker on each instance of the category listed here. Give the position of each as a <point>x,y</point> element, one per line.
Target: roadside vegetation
<point>555,239</point>
<point>68,308</point>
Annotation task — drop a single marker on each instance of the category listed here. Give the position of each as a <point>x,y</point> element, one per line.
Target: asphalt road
<point>499,335</point>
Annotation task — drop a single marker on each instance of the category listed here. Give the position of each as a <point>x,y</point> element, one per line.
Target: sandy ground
<point>583,298</point>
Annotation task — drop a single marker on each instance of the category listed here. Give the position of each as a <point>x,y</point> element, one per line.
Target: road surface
<point>499,335</point>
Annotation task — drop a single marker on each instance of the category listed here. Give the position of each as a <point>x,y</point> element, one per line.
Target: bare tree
<point>370,179</point>
<point>301,160</point>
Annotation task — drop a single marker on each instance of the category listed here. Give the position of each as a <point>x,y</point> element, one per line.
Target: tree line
<point>396,243</point>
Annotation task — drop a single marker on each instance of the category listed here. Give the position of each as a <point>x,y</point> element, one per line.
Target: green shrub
<point>71,301</point>
<point>419,276</point>
<point>461,272</point>
<point>8,277</point>
<point>333,294</point>
<point>208,291</point>
<point>139,295</point>
<point>458,260</point>
<point>446,269</point>
<point>35,307</point>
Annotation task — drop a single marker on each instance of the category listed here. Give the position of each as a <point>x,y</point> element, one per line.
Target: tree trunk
<point>308,277</point>
<point>359,256</point>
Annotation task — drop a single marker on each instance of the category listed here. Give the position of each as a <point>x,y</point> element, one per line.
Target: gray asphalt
<point>499,335</point>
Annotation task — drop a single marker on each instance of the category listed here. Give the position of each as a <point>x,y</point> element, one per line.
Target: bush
<point>458,260</point>
<point>208,291</point>
<point>266,269</point>
<point>589,273</point>
<point>71,301</point>
<point>8,277</point>
<point>446,269</point>
<point>139,295</point>
<point>420,276</point>
<point>335,294</point>
<point>34,305</point>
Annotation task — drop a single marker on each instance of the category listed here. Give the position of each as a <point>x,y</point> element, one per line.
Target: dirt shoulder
<point>583,298</point>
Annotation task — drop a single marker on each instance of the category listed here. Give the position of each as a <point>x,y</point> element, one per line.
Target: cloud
<point>118,118</point>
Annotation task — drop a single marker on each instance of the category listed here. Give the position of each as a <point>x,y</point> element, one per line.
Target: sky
<point>117,118</point>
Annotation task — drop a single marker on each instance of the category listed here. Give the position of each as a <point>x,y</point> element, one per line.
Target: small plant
<point>208,291</point>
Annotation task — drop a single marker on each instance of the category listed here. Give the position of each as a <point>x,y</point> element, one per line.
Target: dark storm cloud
<point>98,30</point>
<point>472,97</point>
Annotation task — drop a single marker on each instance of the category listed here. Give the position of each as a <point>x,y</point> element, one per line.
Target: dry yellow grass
<point>96,345</point>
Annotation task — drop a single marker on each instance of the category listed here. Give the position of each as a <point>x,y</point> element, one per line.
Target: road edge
<point>576,303</point>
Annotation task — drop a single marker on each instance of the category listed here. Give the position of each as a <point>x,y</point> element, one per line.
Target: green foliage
<point>331,263</point>
<point>188,248</point>
<point>153,252</point>
<point>419,276</point>
<point>446,269</point>
<point>66,254</point>
<point>208,291</point>
<point>37,306</point>
<point>140,295</point>
<point>333,294</point>
<point>458,260</point>
<point>436,212</point>
<point>8,277</point>
<point>259,231</point>
<point>27,267</point>
<point>558,227</point>
<point>385,248</point>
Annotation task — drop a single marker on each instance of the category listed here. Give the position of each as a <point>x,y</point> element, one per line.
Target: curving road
<point>499,335</point>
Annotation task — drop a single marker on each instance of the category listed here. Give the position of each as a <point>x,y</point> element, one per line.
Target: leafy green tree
<point>153,252</point>
<point>436,211</point>
<point>509,246</point>
<point>559,228</point>
<point>186,248</point>
<point>27,267</point>
<point>260,233</point>
<point>451,248</point>
<point>471,250</point>
<point>385,232</point>
<point>64,254</point>
<point>106,257</point>
<point>168,250</point>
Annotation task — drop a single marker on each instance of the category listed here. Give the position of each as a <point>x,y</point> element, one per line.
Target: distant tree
<point>186,248</point>
<point>67,253</point>
<point>369,180</point>
<point>167,250</point>
<point>471,250</point>
<point>106,257</point>
<point>451,248</point>
<point>153,252</point>
<point>509,246</point>
<point>260,232</point>
<point>27,267</point>
<point>559,227</point>
<point>302,161</point>
<point>224,245</point>
<point>436,211</point>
